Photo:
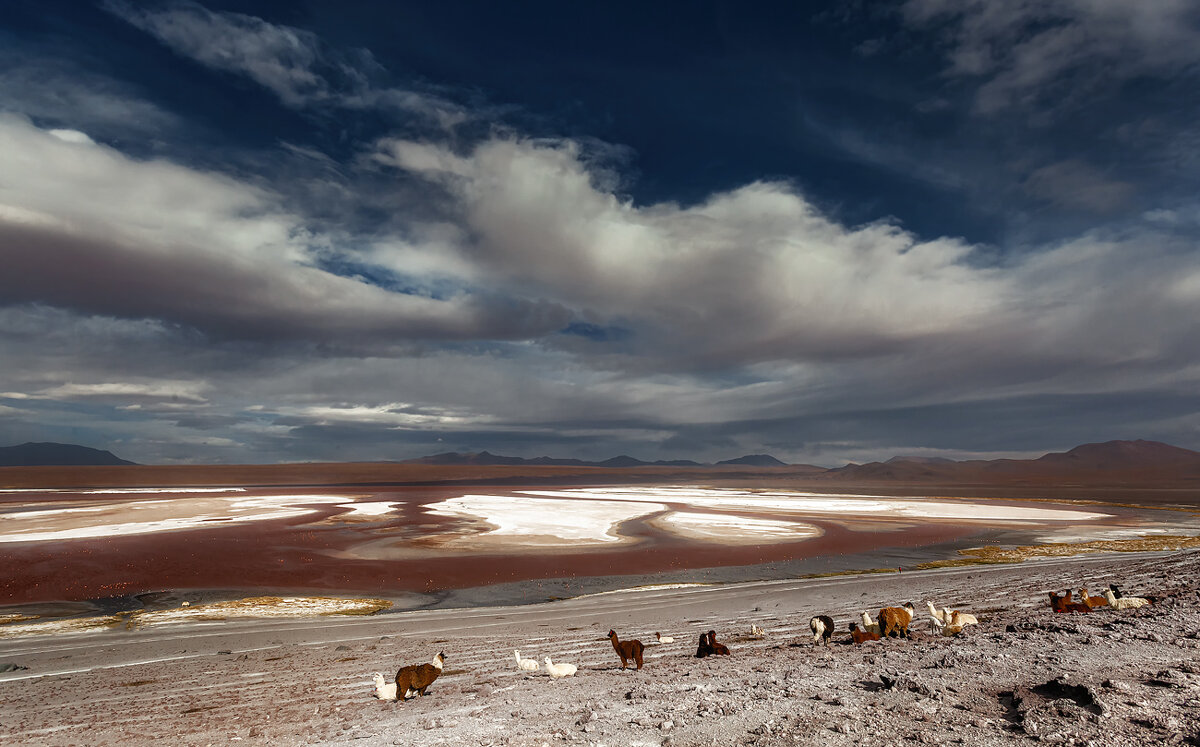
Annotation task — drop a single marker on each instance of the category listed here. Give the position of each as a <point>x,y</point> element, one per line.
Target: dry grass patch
<point>996,555</point>
<point>859,572</point>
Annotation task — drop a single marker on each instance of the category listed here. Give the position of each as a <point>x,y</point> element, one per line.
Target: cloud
<point>56,91</point>
<point>91,229</point>
<point>503,290</point>
<point>1076,185</point>
<point>290,62</point>
<point>1030,53</point>
<point>280,58</point>
<point>184,391</point>
<point>755,273</point>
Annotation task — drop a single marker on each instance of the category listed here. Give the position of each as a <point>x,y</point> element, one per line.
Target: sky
<point>301,230</point>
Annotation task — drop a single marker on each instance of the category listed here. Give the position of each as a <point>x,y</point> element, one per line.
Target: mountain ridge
<point>49,454</point>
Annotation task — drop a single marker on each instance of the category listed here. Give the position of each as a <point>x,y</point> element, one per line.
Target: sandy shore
<point>1025,673</point>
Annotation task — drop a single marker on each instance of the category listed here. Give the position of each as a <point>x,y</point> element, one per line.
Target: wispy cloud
<point>1035,53</point>
<point>290,62</point>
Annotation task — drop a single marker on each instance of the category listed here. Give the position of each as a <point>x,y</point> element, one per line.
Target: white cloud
<point>90,228</point>
<point>756,273</point>
<point>72,136</point>
<point>187,391</point>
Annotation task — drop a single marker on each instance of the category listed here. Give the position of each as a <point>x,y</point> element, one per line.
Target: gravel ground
<point>1024,674</point>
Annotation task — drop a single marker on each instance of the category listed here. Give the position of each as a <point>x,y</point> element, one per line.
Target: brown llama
<point>627,650</point>
<point>1091,601</point>
<point>719,649</point>
<point>416,678</point>
<point>895,620</point>
<point>861,636</point>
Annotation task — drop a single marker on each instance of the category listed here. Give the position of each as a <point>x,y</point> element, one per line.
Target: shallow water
<point>453,547</point>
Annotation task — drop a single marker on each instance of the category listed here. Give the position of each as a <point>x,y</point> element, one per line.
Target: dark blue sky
<point>260,231</point>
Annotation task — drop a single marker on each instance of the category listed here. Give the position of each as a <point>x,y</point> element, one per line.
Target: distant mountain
<point>755,460</point>
<point>1115,462</point>
<point>617,462</point>
<point>56,455</point>
<point>488,459</point>
<point>919,460</point>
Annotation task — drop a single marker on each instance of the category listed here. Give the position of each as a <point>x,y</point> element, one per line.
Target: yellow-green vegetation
<point>73,625</point>
<point>859,572</point>
<point>264,607</point>
<point>217,611</point>
<point>994,555</point>
<point>6,619</point>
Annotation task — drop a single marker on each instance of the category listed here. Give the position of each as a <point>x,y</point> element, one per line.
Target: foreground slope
<point>1108,678</point>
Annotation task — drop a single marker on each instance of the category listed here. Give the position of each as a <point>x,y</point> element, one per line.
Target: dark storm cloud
<point>241,301</point>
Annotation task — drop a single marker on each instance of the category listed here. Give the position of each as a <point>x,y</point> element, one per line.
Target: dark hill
<point>755,460</point>
<point>1117,462</point>
<point>56,455</point>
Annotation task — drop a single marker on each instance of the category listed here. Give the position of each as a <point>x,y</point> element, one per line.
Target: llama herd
<point>893,622</point>
<point>1112,598</point>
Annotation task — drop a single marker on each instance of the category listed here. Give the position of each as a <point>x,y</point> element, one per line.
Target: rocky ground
<point>1025,674</point>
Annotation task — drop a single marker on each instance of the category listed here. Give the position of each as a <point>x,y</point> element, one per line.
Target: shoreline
<point>125,612</point>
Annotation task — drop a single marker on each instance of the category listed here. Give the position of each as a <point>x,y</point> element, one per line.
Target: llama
<point>945,614</point>
<point>627,650</point>
<point>1125,603</point>
<point>525,665</point>
<point>664,638</point>
<point>895,620</point>
<point>384,690</point>
<point>948,630</point>
<point>1063,603</point>
<point>869,625</point>
<point>705,648</point>
<point>416,679</point>
<point>1116,590</point>
<point>962,618</point>
<point>861,636</point>
<point>560,670</point>
<point>719,649</point>
<point>756,631</point>
<point>1091,601</point>
<point>822,629</point>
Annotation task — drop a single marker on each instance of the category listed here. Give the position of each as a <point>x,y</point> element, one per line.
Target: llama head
<point>853,627</point>
<point>909,606</point>
<point>548,662</point>
<point>439,660</point>
<point>612,634</point>
<point>379,680</point>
